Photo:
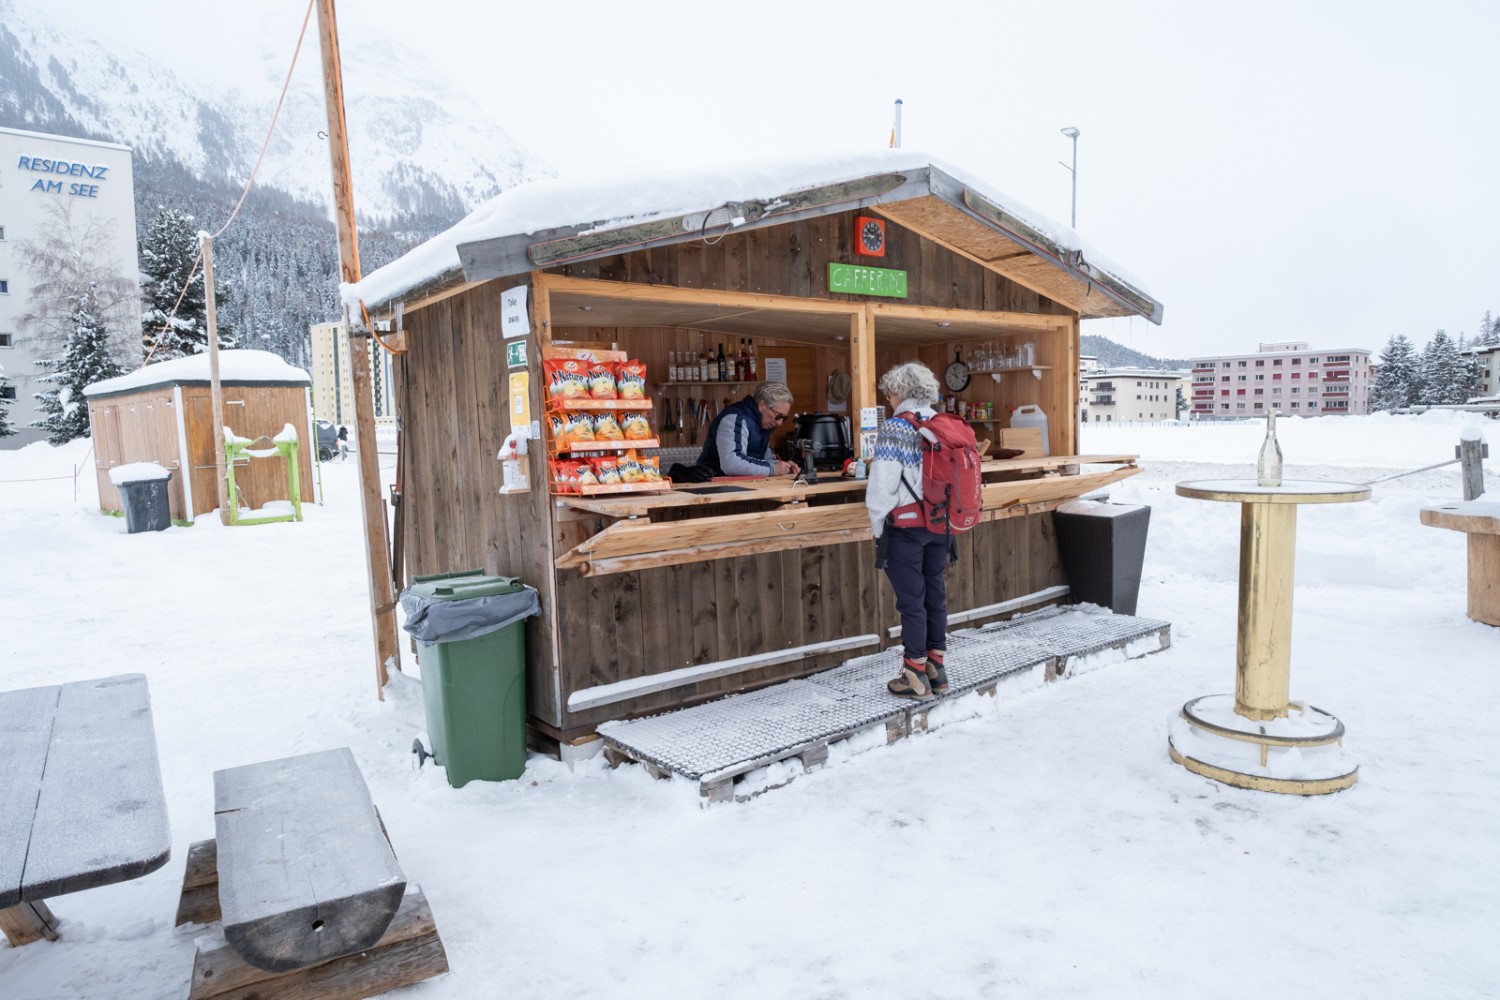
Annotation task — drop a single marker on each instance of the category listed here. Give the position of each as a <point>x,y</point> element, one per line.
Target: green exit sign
<point>856,279</point>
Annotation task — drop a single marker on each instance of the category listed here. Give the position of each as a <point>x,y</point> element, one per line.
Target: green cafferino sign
<point>854,279</point>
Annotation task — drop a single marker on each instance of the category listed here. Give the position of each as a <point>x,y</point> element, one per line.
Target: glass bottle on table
<point>1268,463</point>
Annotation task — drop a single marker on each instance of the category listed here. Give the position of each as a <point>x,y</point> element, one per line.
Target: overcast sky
<point>1320,171</point>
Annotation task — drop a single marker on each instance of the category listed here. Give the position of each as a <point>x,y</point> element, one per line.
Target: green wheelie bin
<point>471,644</point>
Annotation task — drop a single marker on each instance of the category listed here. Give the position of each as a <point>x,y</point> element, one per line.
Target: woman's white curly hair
<point>912,381</point>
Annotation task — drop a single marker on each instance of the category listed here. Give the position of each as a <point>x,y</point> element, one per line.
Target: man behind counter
<point>739,439</point>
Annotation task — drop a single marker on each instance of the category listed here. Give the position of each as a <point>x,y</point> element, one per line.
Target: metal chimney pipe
<point>896,128</point>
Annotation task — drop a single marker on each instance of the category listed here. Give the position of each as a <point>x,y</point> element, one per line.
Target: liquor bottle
<point>753,376</point>
<point>671,366</point>
<point>742,368</point>
<point>723,364</point>
<point>703,367</point>
<point>1268,464</point>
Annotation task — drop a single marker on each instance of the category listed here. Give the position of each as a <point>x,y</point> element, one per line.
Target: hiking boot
<point>912,683</point>
<point>937,677</point>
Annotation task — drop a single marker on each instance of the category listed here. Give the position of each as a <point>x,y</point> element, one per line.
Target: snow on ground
<point>1045,846</point>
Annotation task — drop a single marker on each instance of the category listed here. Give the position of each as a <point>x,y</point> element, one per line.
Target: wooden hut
<point>163,413</point>
<point>653,600</point>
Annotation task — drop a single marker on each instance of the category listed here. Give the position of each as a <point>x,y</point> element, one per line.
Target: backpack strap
<point>916,423</point>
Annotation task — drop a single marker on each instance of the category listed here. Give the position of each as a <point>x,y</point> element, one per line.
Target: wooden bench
<point>1480,520</point>
<point>81,801</point>
<point>310,896</point>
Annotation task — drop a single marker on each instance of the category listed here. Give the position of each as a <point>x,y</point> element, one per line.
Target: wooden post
<point>862,362</point>
<point>377,552</point>
<point>206,244</point>
<point>1471,460</point>
<point>27,922</point>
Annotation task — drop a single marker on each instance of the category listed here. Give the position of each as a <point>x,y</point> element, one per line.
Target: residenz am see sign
<point>35,164</point>
<point>856,279</point>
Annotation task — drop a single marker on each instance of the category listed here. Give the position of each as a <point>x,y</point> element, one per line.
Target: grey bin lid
<point>450,607</point>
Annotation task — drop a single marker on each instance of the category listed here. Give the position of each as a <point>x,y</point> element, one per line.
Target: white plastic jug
<point>1031,415</point>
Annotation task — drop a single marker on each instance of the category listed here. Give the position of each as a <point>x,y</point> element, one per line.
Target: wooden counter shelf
<point>634,542</point>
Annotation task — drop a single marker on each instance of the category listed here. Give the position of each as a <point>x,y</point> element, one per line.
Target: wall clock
<point>869,236</point>
<point>956,377</point>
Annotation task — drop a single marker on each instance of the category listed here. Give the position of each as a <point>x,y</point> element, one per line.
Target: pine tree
<point>65,412</point>
<point>1444,375</point>
<point>1398,378</point>
<point>169,261</point>
<point>1489,331</point>
<point>6,393</point>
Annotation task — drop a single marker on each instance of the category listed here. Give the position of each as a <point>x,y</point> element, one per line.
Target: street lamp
<point>1072,133</point>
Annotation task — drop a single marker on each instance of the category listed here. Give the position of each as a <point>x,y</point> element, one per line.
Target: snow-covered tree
<point>1398,376</point>
<point>7,396</point>
<point>1445,376</point>
<point>65,412</point>
<point>1489,331</point>
<point>69,255</point>
<point>169,262</point>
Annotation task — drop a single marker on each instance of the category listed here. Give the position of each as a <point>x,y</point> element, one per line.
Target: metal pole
<point>215,392</point>
<point>1072,133</point>
<point>382,597</point>
<point>896,128</point>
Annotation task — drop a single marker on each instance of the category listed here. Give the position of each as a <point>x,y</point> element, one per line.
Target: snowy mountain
<point>418,147</point>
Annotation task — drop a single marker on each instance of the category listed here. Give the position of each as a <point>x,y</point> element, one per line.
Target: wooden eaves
<point>926,200</point>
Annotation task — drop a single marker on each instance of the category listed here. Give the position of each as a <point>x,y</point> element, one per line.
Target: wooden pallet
<point>895,718</point>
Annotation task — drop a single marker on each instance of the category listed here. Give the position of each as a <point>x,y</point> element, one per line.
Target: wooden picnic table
<point>81,800</point>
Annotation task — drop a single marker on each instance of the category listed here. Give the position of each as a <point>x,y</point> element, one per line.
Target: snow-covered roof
<point>557,221</point>
<point>235,367</point>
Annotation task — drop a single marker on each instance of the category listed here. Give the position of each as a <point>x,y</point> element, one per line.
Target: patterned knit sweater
<point>898,454</point>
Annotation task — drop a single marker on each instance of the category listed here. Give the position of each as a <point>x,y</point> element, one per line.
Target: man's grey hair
<point>773,393</point>
<point>912,381</point>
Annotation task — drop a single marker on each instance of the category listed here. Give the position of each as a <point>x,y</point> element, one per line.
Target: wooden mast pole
<point>216,392</point>
<point>377,550</point>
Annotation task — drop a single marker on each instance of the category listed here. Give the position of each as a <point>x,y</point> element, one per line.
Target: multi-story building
<point>1119,395</point>
<point>1290,377</point>
<point>1487,361</point>
<point>51,184</point>
<point>333,384</point>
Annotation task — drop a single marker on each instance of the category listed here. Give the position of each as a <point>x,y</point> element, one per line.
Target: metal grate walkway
<point>719,743</point>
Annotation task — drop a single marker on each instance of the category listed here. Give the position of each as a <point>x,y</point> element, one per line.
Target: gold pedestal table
<point>1259,738</point>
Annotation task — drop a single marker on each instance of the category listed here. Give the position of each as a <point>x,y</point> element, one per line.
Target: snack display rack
<point>558,403</point>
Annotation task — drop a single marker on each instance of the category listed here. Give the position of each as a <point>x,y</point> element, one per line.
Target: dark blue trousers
<point>915,562</point>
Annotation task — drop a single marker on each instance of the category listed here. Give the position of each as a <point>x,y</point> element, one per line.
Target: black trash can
<point>147,505</point>
<point>1103,547</point>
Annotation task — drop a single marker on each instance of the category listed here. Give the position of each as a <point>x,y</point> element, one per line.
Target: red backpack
<point>951,498</point>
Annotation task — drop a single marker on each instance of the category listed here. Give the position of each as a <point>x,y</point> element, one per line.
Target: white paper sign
<point>776,370</point>
<point>513,319</point>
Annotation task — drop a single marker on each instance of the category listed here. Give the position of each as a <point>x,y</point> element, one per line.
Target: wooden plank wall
<point>138,427</point>
<point>630,625</point>
<point>250,411</point>
<point>793,260</point>
<point>454,395</point>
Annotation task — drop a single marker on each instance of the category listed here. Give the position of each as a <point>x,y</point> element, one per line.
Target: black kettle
<point>829,437</point>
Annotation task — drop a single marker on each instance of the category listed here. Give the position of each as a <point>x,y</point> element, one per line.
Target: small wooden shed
<point>163,413</point>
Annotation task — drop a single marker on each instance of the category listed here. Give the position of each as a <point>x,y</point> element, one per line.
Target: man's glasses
<point>779,415</point>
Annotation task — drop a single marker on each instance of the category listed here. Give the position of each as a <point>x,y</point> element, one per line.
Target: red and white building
<point>1294,379</point>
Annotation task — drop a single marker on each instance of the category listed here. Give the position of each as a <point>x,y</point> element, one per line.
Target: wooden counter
<point>784,515</point>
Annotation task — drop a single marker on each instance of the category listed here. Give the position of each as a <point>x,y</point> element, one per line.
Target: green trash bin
<point>471,643</point>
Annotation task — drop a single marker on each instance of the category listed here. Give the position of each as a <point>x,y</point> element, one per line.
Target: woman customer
<point>914,559</point>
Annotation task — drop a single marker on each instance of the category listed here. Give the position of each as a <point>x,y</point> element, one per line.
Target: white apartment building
<point>43,177</point>
<point>1487,359</point>
<point>333,384</point>
<point>1119,395</point>
<point>1289,376</point>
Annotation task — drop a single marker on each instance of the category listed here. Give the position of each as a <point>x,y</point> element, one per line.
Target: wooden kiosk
<point>655,600</point>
